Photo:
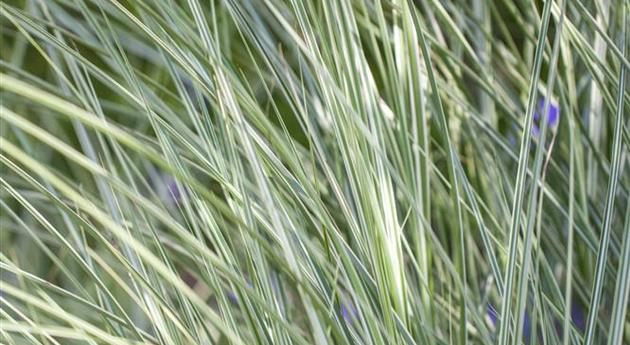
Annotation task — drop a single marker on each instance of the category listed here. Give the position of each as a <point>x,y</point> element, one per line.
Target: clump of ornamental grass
<point>314,172</point>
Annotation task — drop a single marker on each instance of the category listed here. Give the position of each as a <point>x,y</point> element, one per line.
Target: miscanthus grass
<point>314,172</point>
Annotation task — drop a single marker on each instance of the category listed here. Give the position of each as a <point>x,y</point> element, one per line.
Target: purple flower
<point>232,297</point>
<point>578,317</point>
<point>527,328</point>
<point>553,115</point>
<point>492,315</point>
<point>169,190</point>
<point>527,324</point>
<point>348,311</point>
<point>173,190</point>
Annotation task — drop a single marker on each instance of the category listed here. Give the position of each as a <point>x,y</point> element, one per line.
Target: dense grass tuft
<point>314,172</point>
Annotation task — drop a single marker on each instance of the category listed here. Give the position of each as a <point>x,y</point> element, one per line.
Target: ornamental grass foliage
<point>314,172</point>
